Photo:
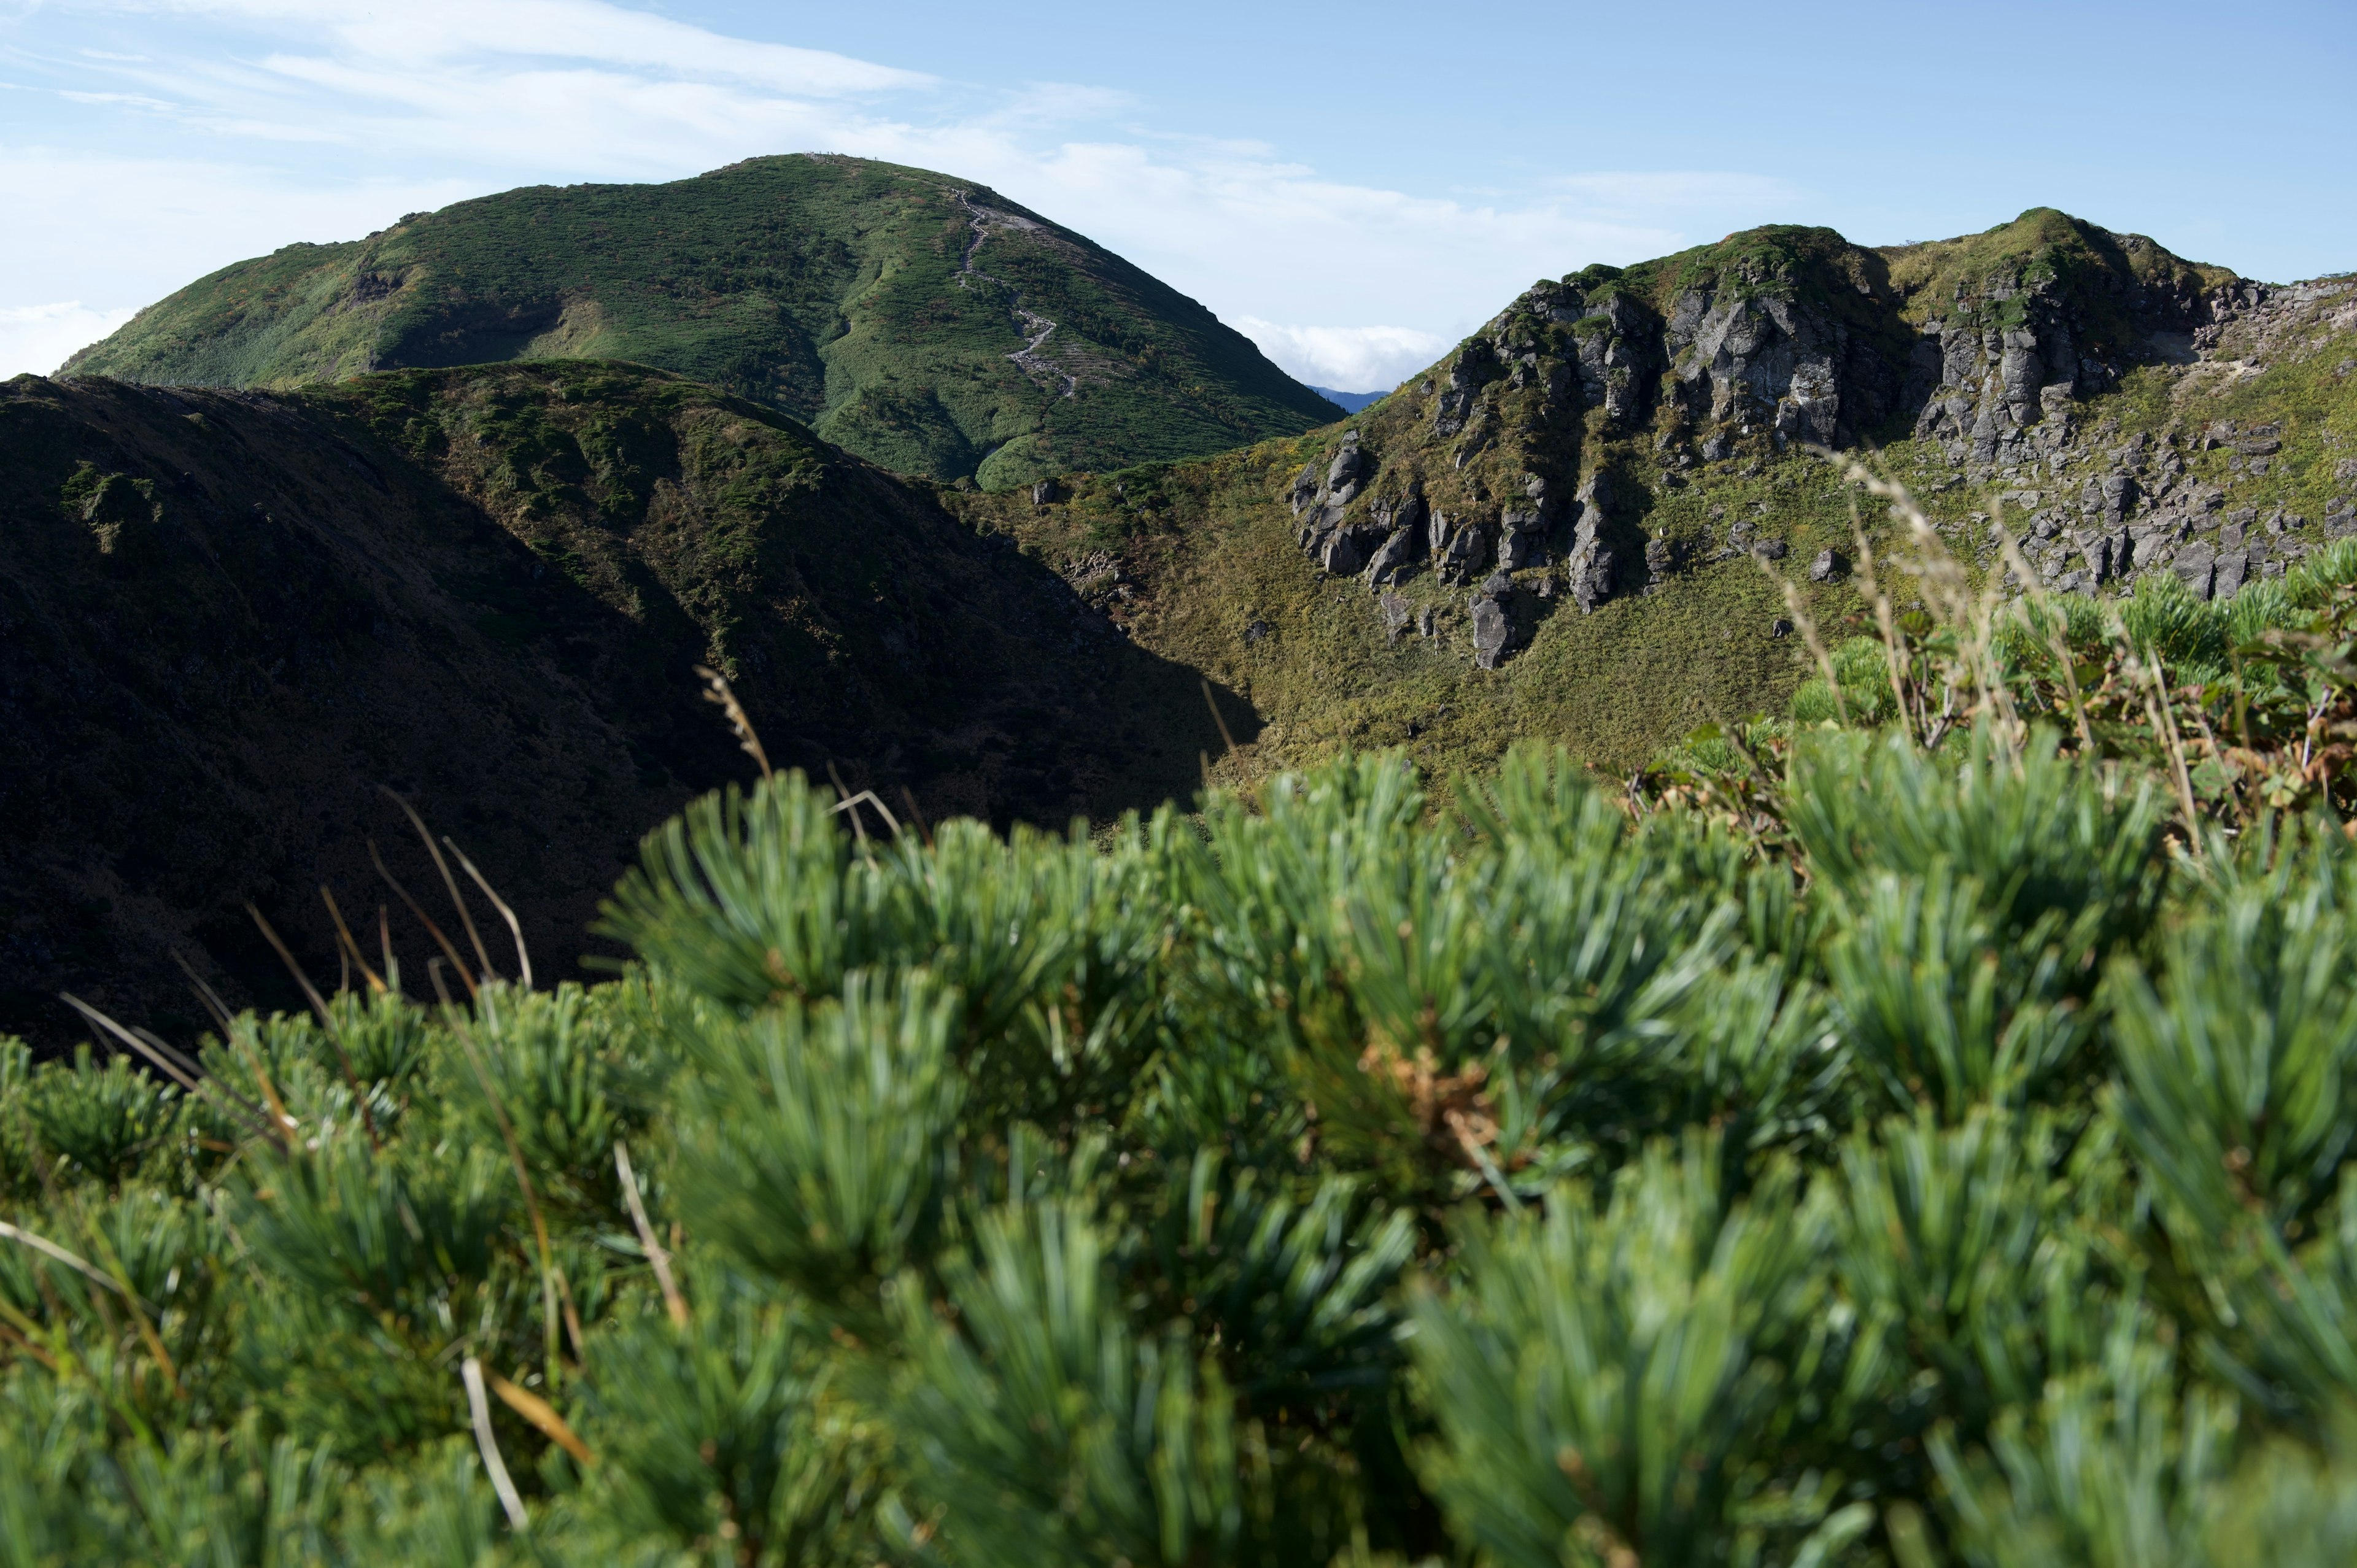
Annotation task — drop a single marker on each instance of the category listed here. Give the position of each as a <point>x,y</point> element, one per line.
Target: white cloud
<point>426,32</point>
<point>118,233</point>
<point>40,337</point>
<point>1348,358</point>
<point>345,116</point>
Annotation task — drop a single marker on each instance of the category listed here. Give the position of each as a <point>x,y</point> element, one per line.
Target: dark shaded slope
<point>917,320</point>
<point>226,617</point>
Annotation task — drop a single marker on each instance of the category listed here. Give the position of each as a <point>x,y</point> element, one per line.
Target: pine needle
<point>79,1264</point>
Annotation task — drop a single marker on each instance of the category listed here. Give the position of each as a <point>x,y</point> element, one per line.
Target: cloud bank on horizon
<point>144,144</point>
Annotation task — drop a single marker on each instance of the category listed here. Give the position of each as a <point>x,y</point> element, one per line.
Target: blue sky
<point>1354,186</point>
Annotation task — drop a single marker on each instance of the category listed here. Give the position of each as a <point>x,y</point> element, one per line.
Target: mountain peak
<point>923,321</point>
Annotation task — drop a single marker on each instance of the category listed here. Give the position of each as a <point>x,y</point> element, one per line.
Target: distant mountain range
<point>983,567</point>
<point>1348,401</point>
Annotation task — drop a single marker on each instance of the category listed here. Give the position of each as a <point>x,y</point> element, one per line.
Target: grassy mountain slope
<point>2127,412</point>
<point>225,618</point>
<point>920,321</point>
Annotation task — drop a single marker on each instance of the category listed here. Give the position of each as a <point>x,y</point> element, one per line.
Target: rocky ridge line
<point>1997,375</point>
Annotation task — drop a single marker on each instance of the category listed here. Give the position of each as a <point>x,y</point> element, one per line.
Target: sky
<point>1353,187</point>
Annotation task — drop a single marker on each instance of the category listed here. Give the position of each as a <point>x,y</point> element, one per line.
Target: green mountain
<point>1559,529</point>
<point>920,321</point>
<point>225,619</point>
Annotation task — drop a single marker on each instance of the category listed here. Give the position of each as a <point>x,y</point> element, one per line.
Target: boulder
<point>1394,558</point>
<point>1396,612</point>
<point>1827,566</point>
<point>2234,567</point>
<point>1348,463</point>
<point>1305,488</point>
<point>1341,555</point>
<point>1661,560</point>
<point>2195,564</point>
<point>1590,573</point>
<point>1047,491</point>
<point>1465,552</point>
<point>1493,632</point>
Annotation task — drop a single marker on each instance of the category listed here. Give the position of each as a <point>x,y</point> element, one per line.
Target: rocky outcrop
<point>1609,357</point>
<point>1990,345</point>
<point>2001,366</point>
<point>1750,355</point>
<point>1493,622</point>
<point>1592,564</point>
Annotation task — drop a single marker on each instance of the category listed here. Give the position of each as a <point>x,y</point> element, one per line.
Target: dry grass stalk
<point>79,1264</point>
<point>847,801</point>
<point>490,970</point>
<point>188,1074</point>
<point>466,977</point>
<point>2164,722</point>
<point>718,691</point>
<point>1807,625</point>
<point>917,815</point>
<point>515,927</point>
<point>673,1303</point>
<point>479,1406</point>
<point>1894,654</point>
<point>326,1022</point>
<point>542,1414</point>
<point>351,949</point>
<point>236,1040</point>
<point>1952,599</point>
<point>1225,738</point>
<point>116,1278</point>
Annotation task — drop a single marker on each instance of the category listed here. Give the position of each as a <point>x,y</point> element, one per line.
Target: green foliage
<point>1921,1164</point>
<point>842,1115</point>
<point>102,1123</point>
<point>1617,1386</point>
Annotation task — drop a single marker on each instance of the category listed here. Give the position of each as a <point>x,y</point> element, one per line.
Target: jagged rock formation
<point>1619,386</point>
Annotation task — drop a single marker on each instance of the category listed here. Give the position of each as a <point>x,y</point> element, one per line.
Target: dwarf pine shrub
<point>1924,1154</point>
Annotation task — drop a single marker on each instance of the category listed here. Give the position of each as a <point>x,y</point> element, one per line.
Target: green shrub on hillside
<point>1924,1154</point>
